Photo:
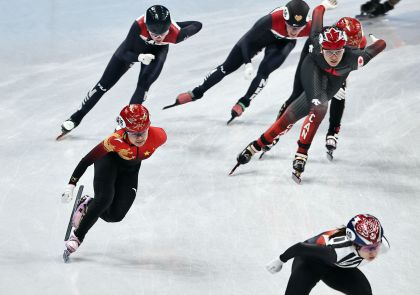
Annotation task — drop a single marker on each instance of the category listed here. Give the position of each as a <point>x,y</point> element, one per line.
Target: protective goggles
<point>333,52</point>
<point>370,248</point>
<point>138,134</point>
<point>153,35</point>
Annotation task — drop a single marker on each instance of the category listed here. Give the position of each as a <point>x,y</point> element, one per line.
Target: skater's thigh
<point>149,73</point>
<point>233,61</point>
<point>274,57</point>
<point>125,193</point>
<point>106,170</point>
<point>349,281</point>
<point>305,275</point>
<point>298,109</point>
<point>115,69</point>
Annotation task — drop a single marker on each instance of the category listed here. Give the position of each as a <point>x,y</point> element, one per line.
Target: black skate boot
<point>268,147</point>
<point>239,108</point>
<point>331,145</point>
<point>299,166</point>
<point>245,156</point>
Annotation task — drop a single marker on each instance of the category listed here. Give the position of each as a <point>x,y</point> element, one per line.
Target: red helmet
<point>332,38</point>
<point>134,118</point>
<point>353,29</point>
<point>364,229</point>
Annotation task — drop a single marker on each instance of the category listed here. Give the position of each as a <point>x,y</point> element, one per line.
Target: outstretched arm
<point>188,29</point>
<point>324,253</point>
<point>372,50</point>
<point>96,153</point>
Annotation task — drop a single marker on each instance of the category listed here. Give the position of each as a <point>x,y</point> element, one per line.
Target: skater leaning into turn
<point>323,72</point>
<point>355,39</point>
<point>117,162</point>
<point>334,257</point>
<point>374,8</point>
<point>147,42</point>
<point>276,33</point>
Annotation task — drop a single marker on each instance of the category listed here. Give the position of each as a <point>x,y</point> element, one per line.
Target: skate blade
<point>330,155</point>
<point>230,120</point>
<point>296,177</point>
<point>234,168</point>
<point>262,154</point>
<point>62,135</point>
<point>171,105</point>
<point>66,256</point>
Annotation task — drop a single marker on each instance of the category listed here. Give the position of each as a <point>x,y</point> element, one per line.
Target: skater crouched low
<point>117,162</point>
<point>334,257</point>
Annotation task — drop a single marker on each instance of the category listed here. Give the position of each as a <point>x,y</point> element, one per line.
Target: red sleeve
<point>363,43</point>
<point>317,20</point>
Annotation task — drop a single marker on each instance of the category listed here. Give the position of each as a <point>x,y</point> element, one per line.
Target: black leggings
<point>274,56</point>
<point>115,69</point>
<point>306,273</point>
<point>232,63</point>
<point>115,186</point>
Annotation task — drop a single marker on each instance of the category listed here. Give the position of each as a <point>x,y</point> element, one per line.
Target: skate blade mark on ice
<point>66,253</point>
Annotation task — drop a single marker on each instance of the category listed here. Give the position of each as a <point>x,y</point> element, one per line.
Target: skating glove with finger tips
<point>67,195</point>
<point>146,58</point>
<point>249,71</point>
<point>329,4</point>
<point>373,38</point>
<point>274,266</point>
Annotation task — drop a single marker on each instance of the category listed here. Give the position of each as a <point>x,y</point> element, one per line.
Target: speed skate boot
<point>68,126</point>
<point>299,166</point>
<point>239,108</point>
<point>182,98</point>
<point>72,244</point>
<point>331,145</point>
<point>185,97</point>
<point>81,210</point>
<point>245,156</point>
<point>268,147</point>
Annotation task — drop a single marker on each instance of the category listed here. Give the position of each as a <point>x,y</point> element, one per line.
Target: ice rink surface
<point>193,229</point>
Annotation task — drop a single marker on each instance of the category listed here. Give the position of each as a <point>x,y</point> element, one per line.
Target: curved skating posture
<point>276,33</point>
<point>374,8</point>
<point>355,39</point>
<point>117,162</point>
<point>334,257</point>
<point>147,42</point>
<point>323,72</point>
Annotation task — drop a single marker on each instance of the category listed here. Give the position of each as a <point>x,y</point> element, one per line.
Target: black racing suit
<point>260,36</point>
<point>126,55</point>
<point>329,257</point>
<point>319,83</point>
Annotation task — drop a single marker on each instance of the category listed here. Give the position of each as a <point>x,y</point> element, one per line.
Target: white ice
<point>193,229</point>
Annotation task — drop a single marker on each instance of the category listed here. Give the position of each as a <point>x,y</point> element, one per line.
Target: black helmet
<point>296,12</point>
<point>158,19</point>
